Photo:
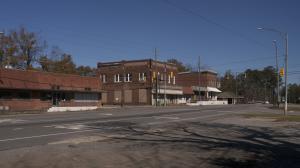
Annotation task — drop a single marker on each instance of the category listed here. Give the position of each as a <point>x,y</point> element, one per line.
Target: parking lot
<point>206,136</point>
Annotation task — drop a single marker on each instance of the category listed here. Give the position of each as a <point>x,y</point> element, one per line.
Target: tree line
<point>258,85</point>
<point>22,49</point>
<point>252,84</point>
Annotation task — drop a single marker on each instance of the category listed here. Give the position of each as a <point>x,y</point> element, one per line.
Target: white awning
<point>213,89</point>
<point>206,89</point>
<point>169,91</point>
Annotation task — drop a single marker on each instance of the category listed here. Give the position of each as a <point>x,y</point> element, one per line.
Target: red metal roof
<point>36,80</point>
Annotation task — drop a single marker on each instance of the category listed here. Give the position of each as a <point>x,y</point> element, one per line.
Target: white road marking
<point>71,126</point>
<point>184,119</point>
<point>16,129</point>
<point>225,111</point>
<point>166,117</point>
<point>107,114</point>
<point>9,120</point>
<point>45,135</point>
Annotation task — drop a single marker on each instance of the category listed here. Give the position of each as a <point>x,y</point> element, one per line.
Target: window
<point>128,77</point>
<point>174,82</point>
<point>23,95</point>
<point>142,76</point>
<point>103,78</point>
<point>5,95</point>
<point>86,97</point>
<point>169,78</point>
<point>162,77</point>
<point>117,78</point>
<point>45,96</point>
<point>158,76</point>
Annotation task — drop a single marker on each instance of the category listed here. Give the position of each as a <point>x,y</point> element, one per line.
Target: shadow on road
<point>234,146</point>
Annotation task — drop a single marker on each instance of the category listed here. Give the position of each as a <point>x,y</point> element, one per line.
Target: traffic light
<point>281,72</point>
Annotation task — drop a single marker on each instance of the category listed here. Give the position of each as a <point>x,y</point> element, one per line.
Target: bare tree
<point>29,46</point>
<point>8,50</point>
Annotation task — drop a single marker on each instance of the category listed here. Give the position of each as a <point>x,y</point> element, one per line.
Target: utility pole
<point>277,71</point>
<point>199,80</point>
<point>165,83</point>
<point>236,92</point>
<point>265,92</point>
<point>1,52</point>
<point>123,84</point>
<point>286,73</point>
<point>156,78</point>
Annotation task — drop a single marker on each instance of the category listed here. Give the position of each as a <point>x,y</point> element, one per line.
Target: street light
<point>285,35</point>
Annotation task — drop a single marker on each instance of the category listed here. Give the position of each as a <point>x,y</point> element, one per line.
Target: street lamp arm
<point>271,29</point>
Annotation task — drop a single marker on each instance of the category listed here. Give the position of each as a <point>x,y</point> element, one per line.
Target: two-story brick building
<point>139,82</point>
<point>205,82</point>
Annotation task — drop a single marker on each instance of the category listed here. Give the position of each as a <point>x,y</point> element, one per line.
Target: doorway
<point>55,98</point>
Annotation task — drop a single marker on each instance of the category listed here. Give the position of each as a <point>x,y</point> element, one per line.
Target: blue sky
<point>222,32</point>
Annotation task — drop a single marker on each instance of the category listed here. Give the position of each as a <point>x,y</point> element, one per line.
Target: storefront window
<point>5,95</point>
<point>23,95</point>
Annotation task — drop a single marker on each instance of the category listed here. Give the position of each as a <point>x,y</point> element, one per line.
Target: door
<point>229,100</point>
<point>55,98</point>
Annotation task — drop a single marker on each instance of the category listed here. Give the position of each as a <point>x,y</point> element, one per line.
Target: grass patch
<point>276,117</point>
<point>291,107</point>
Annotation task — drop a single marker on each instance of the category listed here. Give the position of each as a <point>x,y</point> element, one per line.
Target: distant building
<point>206,83</point>
<point>33,90</point>
<point>230,97</point>
<point>139,82</point>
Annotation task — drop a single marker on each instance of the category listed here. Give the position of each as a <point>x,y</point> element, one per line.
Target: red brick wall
<point>36,80</point>
<point>77,104</point>
<point>38,105</point>
<point>192,79</point>
<point>25,105</point>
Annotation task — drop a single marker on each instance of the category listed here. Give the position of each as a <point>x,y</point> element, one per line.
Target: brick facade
<point>135,91</point>
<point>33,90</point>
<point>207,79</point>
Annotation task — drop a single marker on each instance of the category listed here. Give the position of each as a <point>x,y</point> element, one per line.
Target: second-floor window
<point>174,82</point>
<point>128,77</point>
<point>142,76</point>
<point>117,78</point>
<point>103,78</point>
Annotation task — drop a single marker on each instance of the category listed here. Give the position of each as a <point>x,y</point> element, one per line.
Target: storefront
<point>39,91</point>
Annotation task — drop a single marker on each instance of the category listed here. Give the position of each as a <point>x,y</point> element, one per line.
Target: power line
<point>247,60</point>
<point>233,32</point>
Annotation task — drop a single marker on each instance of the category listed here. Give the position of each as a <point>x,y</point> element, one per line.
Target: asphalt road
<point>133,134</point>
<point>37,129</point>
